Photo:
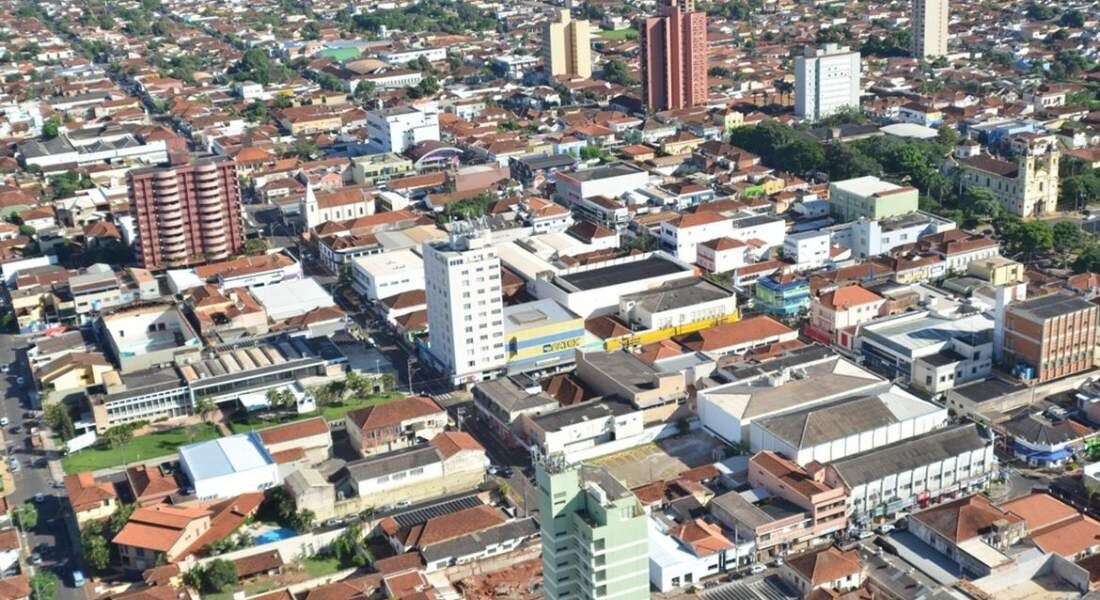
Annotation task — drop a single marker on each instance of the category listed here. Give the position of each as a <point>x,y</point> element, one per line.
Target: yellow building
<point>567,49</point>
<point>998,271</point>
<point>1027,187</point>
<point>541,336</point>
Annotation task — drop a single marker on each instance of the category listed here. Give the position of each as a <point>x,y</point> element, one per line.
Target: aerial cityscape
<point>521,300</point>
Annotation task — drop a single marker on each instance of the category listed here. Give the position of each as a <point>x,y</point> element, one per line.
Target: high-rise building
<point>594,538</point>
<point>186,213</point>
<point>826,80</point>
<point>930,28</point>
<point>465,308</point>
<point>674,57</point>
<point>566,47</point>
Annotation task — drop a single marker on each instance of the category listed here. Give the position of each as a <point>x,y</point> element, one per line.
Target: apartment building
<point>930,18</point>
<point>1051,336</point>
<point>566,47</point>
<point>186,213</point>
<point>398,128</point>
<point>674,57</point>
<point>826,80</point>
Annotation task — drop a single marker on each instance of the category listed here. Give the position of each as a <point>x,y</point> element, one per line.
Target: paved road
<point>52,538</point>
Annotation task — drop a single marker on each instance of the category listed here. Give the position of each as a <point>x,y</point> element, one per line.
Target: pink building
<point>824,506</point>
<point>674,57</point>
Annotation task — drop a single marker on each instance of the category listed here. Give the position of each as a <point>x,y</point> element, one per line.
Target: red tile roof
<point>393,413</point>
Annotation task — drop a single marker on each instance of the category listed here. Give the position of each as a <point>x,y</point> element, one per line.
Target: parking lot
<point>663,459</point>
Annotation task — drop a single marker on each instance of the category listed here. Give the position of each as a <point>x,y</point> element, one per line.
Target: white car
<point>865,534</point>
<point>758,569</point>
<point>885,528</point>
<point>4,421</point>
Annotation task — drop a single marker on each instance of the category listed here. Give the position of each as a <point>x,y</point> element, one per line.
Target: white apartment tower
<point>465,309</point>
<point>826,80</point>
<point>929,28</point>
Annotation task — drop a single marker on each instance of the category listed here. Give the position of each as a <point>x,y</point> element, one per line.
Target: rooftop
<point>654,265</point>
<point>1050,306</point>
<point>225,456</point>
<point>908,454</point>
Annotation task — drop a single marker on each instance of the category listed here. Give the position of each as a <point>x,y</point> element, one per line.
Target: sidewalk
<point>6,477</point>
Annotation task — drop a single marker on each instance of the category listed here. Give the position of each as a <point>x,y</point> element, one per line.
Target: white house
<point>809,249</point>
<point>722,255</point>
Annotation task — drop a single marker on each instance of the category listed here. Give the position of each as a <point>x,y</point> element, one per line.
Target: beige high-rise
<point>567,48</point>
<point>930,28</point>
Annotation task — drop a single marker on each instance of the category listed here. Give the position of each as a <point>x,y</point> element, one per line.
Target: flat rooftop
<point>1050,306</point>
<point>579,413</point>
<point>649,267</point>
<point>865,186</point>
<point>604,172</point>
<point>539,313</point>
<point>910,335</point>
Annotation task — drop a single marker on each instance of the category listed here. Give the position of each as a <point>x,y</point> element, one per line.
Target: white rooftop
<point>291,298</point>
<point>865,186</point>
<point>394,261</point>
<point>225,456</point>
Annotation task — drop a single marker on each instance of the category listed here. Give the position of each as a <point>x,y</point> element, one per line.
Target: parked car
<point>885,528</point>
<point>19,380</point>
<point>386,508</point>
<point>4,421</point>
<point>78,578</point>
<point>404,503</point>
<point>757,569</point>
<point>864,534</point>
<point>36,559</point>
<point>39,497</point>
<point>14,465</point>
<point>335,522</point>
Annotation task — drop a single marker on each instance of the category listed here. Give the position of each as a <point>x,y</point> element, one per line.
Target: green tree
<point>302,520</point>
<point>615,71</point>
<point>218,575</point>
<point>97,552</point>
<point>43,585</point>
<point>256,112</point>
<point>980,205</point>
<point>1072,18</point>
<point>1088,260</point>
<point>118,436</point>
<point>119,518</point>
<point>204,407</point>
<point>58,418</point>
<point>366,91</point>
<point>845,161</point>
<point>255,247</point>
<point>26,516</point>
<point>1068,239</point>
<point>1080,190</point>
<point>304,148</point>
<point>51,127</point>
<point>1030,237</point>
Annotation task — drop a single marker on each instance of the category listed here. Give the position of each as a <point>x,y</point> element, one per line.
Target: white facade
<point>722,256</point>
<point>683,241</point>
<point>376,276</point>
<point>465,308</point>
<point>826,80</point>
<point>869,237</point>
<point>772,231</point>
<point>228,467</point>
<point>808,250</point>
<point>610,181</point>
<point>406,55</point>
<point>396,129</point>
<point>673,566</point>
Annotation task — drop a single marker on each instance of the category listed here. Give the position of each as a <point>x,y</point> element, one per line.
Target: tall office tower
<point>674,57</point>
<point>465,309</point>
<point>594,538</point>
<point>186,213</point>
<point>826,80</point>
<point>930,28</point>
<point>567,47</point>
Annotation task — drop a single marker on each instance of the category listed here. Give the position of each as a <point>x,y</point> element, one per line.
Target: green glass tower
<point>594,539</point>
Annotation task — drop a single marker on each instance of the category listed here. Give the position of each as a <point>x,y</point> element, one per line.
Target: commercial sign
<point>561,345</point>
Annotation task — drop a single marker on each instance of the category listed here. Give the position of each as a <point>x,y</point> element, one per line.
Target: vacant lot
<point>664,459</point>
<point>619,34</point>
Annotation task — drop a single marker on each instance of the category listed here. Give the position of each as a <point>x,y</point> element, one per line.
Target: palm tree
<point>205,407</point>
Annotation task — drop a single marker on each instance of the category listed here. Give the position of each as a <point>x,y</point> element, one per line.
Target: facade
<point>186,214</point>
<point>838,313</point>
<point>594,535</point>
<point>465,310</point>
<point>608,181</point>
<point>809,249</point>
<point>930,19</point>
<point>541,336</point>
<point>1050,336</point>
<point>386,274</point>
<point>871,198</point>
<point>567,47</point>
<point>823,504</point>
<point>674,57</point>
<point>826,80</point>
<point>914,472</point>
<point>399,128</point>
<point>1027,187</point>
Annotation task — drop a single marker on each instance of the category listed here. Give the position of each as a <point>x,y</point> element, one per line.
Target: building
<point>1050,336</point>
<point>311,436</point>
<point>849,426</point>
<point>394,425</point>
<point>146,336</point>
<point>930,19</point>
<point>608,181</point>
<point>675,303</point>
<point>386,274</point>
<point>186,214</point>
<point>451,462</point>
<point>824,505</point>
<point>160,533</point>
<point>914,472</point>
<point>799,379</point>
<point>972,532</point>
<point>398,128</point>
<point>871,198</point>
<point>684,553</point>
<point>90,500</point>
<point>229,466</point>
<point>594,534</point>
<point>782,296</point>
<point>583,430</point>
<point>674,57</point>
<point>827,80</point>
<point>837,314</point>
<point>566,47</point>
<point>831,569</point>
<point>868,238</point>
<point>541,337</point>
<point>465,309</point>
<point>1027,187</point>
<point>808,249</point>
<point>934,351</point>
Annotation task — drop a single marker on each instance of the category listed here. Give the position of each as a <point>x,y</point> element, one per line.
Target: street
<point>51,538</point>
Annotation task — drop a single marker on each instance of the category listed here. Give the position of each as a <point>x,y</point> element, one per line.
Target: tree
<point>51,127</point>
<point>1068,239</point>
<point>1080,190</point>
<point>615,71</point>
<point>1088,260</point>
<point>43,585</point>
<point>256,112</point>
<point>119,435</point>
<point>1072,18</point>
<point>280,398</point>
<point>97,552</point>
<point>204,407</point>
<point>304,148</point>
<point>26,516</point>
<point>845,161</point>
<point>58,418</point>
<point>255,247</point>
<point>218,576</point>
<point>1028,236</point>
<point>980,205</point>
<point>119,518</point>
<point>366,91</point>
<point>302,520</point>
<point>346,549</point>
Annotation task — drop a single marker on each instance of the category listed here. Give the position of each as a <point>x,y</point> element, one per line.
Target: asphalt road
<point>52,538</point>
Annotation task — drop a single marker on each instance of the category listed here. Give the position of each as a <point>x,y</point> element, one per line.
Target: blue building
<point>782,295</point>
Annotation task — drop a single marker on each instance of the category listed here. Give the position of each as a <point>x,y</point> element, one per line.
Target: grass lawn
<point>317,566</point>
<point>618,34</point>
<point>142,448</point>
<point>334,412</point>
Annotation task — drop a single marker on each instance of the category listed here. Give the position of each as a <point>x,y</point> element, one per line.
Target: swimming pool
<point>275,535</point>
